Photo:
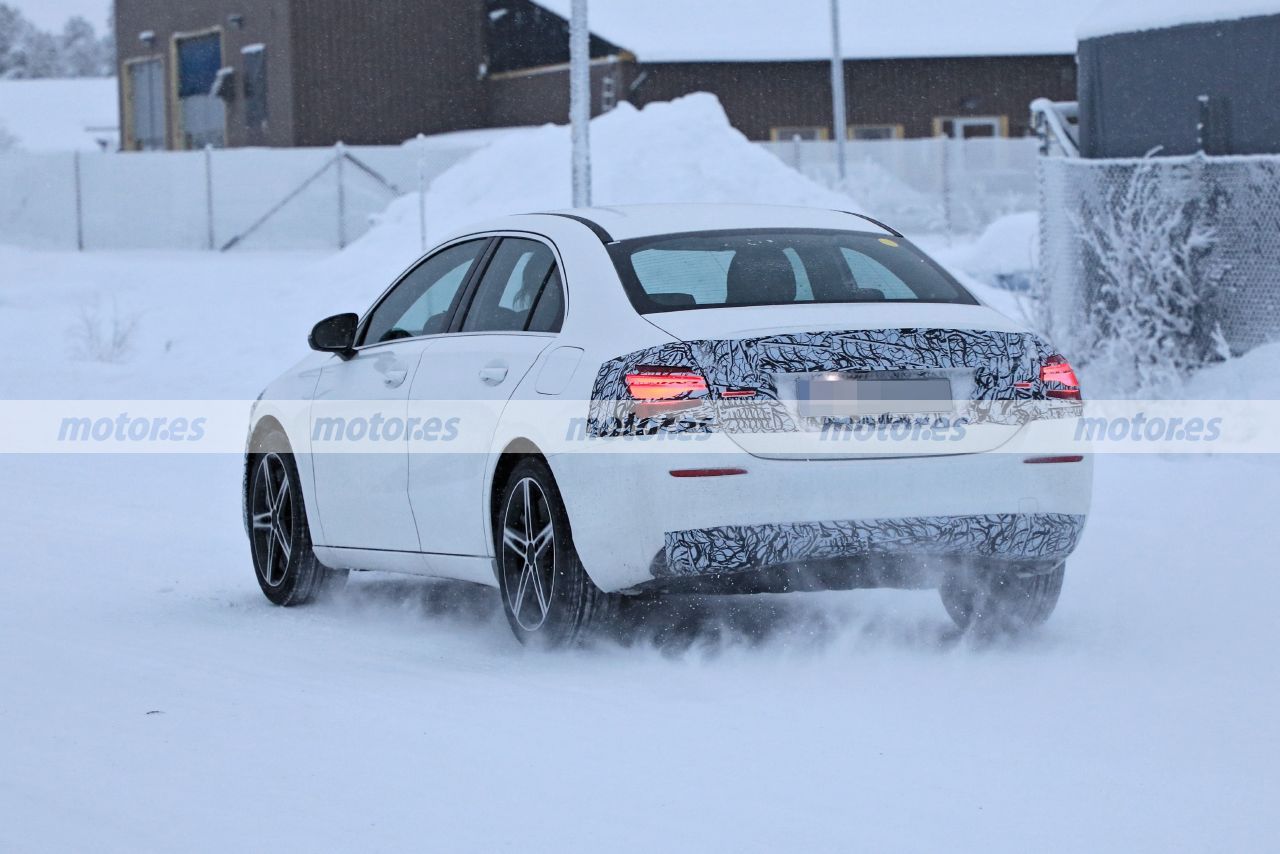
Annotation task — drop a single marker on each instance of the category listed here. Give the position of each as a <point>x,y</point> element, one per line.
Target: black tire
<point>555,604</point>
<point>279,538</point>
<point>1004,602</point>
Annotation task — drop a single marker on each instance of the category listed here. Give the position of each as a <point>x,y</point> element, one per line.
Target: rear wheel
<point>285,564</point>
<point>546,593</point>
<point>1002,602</point>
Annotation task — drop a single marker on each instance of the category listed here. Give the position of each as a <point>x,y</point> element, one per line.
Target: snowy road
<point>153,700</point>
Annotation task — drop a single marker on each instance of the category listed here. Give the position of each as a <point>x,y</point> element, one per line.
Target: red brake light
<point>664,383</point>
<point>1057,369</point>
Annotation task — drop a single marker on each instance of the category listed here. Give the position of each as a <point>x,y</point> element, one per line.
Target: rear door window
<point>520,276</point>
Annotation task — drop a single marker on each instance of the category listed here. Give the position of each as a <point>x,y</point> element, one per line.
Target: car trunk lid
<point>844,382</point>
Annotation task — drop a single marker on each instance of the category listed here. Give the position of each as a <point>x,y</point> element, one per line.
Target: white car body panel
<point>363,498</point>
<point>623,504</point>
<point>446,490</point>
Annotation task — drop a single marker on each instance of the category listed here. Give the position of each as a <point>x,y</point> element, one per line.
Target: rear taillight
<point>1060,379</point>
<point>665,383</point>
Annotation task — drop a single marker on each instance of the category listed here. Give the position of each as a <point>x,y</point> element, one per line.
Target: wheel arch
<point>507,459</point>
<point>516,450</point>
<point>255,446</point>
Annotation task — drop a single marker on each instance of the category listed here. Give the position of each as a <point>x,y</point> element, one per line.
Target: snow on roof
<point>61,115</point>
<point>1111,17</point>
<point>756,30</point>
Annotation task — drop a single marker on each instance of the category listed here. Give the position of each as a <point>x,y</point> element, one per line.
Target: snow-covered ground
<point>153,700</point>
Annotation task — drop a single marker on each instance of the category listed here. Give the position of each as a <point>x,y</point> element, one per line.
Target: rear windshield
<point>778,267</point>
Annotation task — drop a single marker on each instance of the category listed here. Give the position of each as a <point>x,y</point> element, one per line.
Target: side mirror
<point>335,334</point>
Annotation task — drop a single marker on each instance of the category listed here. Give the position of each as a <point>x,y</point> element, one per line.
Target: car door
<point>512,314</point>
<point>363,497</point>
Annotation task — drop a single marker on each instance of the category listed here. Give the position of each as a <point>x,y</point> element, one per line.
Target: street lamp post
<point>837,89</point>
<point>580,102</point>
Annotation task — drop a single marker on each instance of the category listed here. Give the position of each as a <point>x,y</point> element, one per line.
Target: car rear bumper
<point>634,522</point>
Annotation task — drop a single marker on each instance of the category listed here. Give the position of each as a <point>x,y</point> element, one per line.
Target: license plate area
<point>844,396</point>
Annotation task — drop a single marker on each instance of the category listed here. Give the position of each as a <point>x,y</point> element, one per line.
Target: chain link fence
<point>311,198</point>
<point>1162,263</point>
<point>939,185</point>
<point>253,198</point>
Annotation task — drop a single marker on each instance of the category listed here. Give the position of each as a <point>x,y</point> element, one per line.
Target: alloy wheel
<point>272,519</point>
<point>528,554</point>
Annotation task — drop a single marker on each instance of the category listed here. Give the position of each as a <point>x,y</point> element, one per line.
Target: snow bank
<point>1006,253</point>
<point>61,115</point>
<point>999,267</point>
<point>1249,377</point>
<point>1111,17</point>
<point>678,151</point>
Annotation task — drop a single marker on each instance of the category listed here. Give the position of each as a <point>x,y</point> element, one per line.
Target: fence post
<point>422,191</point>
<point>795,151</point>
<point>948,222</point>
<point>79,204</point>
<point>339,157</point>
<point>208,195</point>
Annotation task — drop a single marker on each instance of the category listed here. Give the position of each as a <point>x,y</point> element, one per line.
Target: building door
<point>202,113</point>
<point>146,105</point>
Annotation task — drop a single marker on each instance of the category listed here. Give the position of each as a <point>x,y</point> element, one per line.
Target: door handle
<point>493,374</point>
<point>394,377</point>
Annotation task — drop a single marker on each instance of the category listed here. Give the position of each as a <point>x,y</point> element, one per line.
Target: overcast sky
<point>52,14</point>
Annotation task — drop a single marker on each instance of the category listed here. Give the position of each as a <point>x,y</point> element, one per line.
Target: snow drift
<point>678,151</point>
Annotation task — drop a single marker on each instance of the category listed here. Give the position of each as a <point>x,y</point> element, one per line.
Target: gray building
<point>1209,86</point>
<point>315,72</point>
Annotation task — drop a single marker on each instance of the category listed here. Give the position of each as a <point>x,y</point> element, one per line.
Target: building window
<point>876,132</point>
<point>202,113</point>
<point>806,133</point>
<point>255,85</point>
<point>971,127</point>
<point>145,96</point>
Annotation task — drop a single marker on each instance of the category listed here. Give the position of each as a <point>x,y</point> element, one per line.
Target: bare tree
<point>80,50</point>
<point>28,52</point>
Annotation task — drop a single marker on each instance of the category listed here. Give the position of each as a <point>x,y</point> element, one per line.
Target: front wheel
<point>283,561</point>
<point>1003,602</point>
<point>546,593</point>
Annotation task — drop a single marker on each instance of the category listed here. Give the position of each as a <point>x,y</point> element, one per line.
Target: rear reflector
<point>1074,458</point>
<point>664,383</point>
<point>706,472</point>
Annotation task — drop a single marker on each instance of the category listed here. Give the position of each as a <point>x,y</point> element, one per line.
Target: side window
<point>548,314</point>
<point>869,273</point>
<point>521,276</point>
<point>255,84</point>
<point>804,290</point>
<point>683,277</point>
<point>420,303</point>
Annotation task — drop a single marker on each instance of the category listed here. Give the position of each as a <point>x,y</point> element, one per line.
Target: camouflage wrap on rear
<point>1039,537</point>
<point>988,363</point>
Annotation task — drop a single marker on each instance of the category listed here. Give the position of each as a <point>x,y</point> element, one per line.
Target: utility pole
<point>580,102</point>
<point>837,89</point>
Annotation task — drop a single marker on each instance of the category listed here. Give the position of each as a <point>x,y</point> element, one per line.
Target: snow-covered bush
<point>7,140</point>
<point>103,335</point>
<point>1150,316</point>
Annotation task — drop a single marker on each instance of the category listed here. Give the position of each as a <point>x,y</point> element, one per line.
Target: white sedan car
<point>587,405</point>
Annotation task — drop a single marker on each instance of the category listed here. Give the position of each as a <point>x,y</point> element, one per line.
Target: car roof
<point>624,222</point>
